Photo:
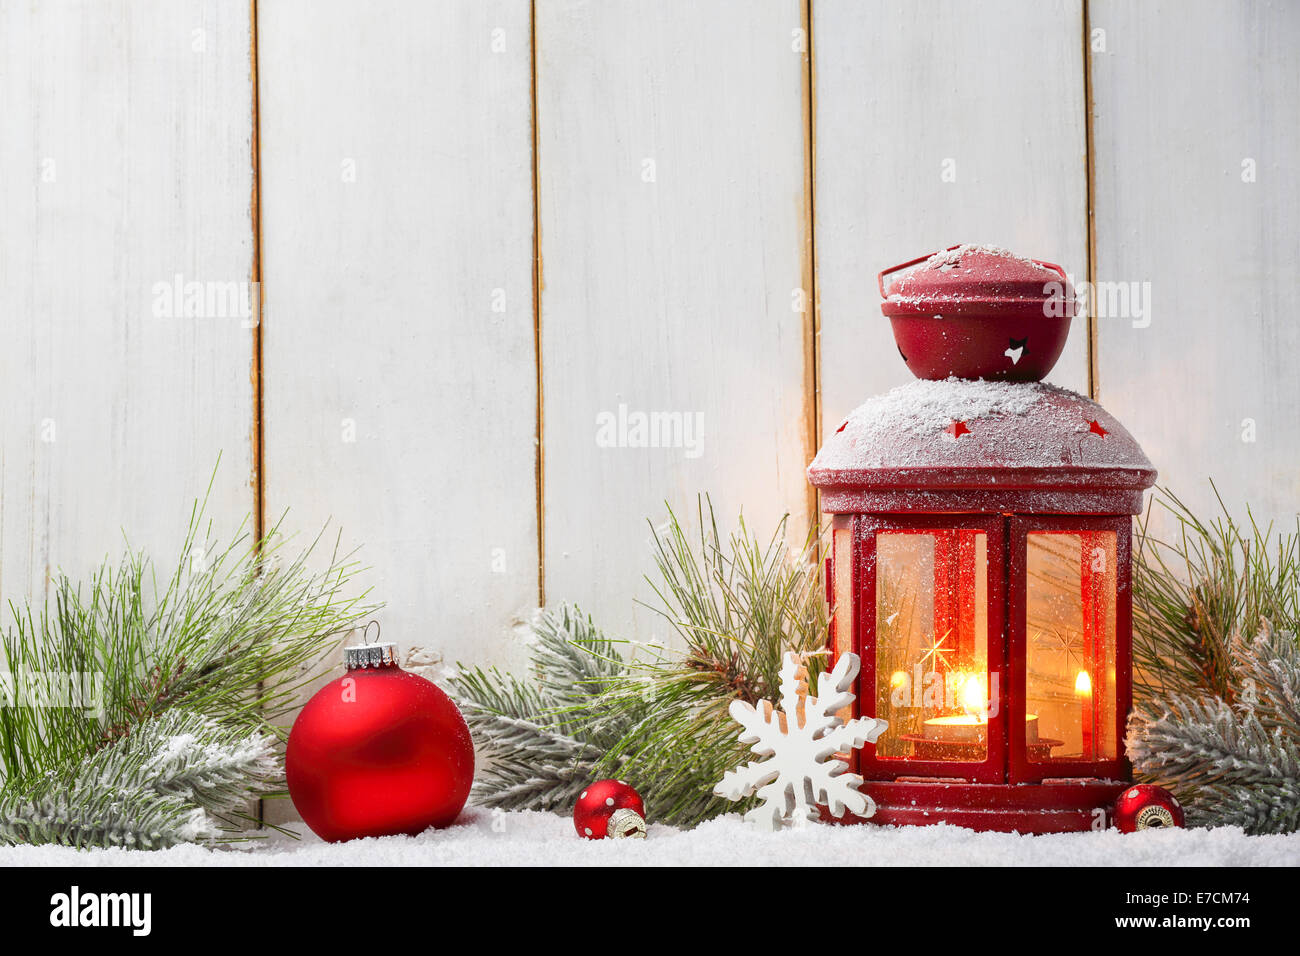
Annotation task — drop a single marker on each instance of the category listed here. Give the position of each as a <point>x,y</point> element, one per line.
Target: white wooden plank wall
<point>125,162</point>
<point>674,228</point>
<point>399,374</point>
<point>398,362</point>
<point>1198,213</point>
<point>940,122</point>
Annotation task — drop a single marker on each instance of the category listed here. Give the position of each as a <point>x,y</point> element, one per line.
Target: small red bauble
<point>1145,806</point>
<point>378,751</point>
<point>609,808</point>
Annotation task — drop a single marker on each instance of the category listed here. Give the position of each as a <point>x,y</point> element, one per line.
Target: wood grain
<point>940,122</point>
<point>126,163</point>
<point>1187,96</point>
<point>407,337</point>
<point>674,247</point>
<point>399,371</point>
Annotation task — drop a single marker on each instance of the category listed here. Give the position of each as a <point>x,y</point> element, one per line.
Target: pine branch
<point>196,759</point>
<point>738,606</point>
<point>1267,671</point>
<point>232,631</point>
<point>101,818</point>
<point>1195,594</point>
<point>1227,765</point>
<point>1217,669</point>
<point>658,720</point>
<point>169,780</point>
<point>537,744</point>
<point>1206,740</point>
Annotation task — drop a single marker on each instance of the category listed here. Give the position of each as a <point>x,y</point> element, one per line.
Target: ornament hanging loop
<point>370,652</point>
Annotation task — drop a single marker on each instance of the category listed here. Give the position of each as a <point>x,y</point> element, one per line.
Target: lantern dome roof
<point>961,444</point>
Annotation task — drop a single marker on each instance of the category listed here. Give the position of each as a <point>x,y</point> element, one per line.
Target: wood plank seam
<point>1090,179</point>
<point>255,215</point>
<point>255,222</point>
<point>539,436</point>
<point>812,317</point>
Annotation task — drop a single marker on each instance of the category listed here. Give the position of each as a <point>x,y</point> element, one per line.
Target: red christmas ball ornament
<point>1145,806</point>
<point>609,808</point>
<point>379,751</point>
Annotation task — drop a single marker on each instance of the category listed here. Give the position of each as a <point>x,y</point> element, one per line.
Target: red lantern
<point>968,311</point>
<point>980,561</point>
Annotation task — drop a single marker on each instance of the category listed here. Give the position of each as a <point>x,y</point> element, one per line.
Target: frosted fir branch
<point>1264,808</point>
<point>1267,671</point>
<point>216,768</point>
<point>538,742</point>
<point>1207,738</point>
<point>169,780</point>
<point>1224,764</point>
<point>595,707</point>
<point>233,630</point>
<point>514,735</point>
<point>534,787</point>
<point>493,694</point>
<point>105,818</point>
<point>526,765</point>
<point>1231,763</point>
<point>573,660</point>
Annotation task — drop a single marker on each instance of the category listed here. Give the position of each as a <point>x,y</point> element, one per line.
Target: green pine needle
<point>1217,669</point>
<point>657,719</point>
<point>229,636</point>
<point>176,778</point>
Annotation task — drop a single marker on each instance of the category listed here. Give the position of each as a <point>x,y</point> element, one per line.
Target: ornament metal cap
<point>626,823</point>
<point>378,654</point>
<point>370,655</point>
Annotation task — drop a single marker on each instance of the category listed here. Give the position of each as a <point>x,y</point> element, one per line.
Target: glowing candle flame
<point>972,697</point>
<point>1083,683</point>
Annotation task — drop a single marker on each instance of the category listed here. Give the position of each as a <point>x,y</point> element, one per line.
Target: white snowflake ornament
<point>801,738</point>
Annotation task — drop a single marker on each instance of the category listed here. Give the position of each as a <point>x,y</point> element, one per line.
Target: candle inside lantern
<point>958,728</point>
<point>1083,687</point>
<point>970,727</point>
<point>972,698</point>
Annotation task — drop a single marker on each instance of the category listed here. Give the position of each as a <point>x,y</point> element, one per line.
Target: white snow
<point>528,838</point>
<point>946,261</point>
<point>1012,425</point>
<point>924,407</point>
<point>948,258</point>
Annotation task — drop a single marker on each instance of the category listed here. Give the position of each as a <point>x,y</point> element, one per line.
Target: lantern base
<point>1052,807</point>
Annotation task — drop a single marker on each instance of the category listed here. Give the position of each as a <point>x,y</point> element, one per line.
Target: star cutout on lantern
<point>1095,427</point>
<point>957,429</point>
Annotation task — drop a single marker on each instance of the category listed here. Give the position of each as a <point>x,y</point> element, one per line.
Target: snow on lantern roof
<point>960,444</point>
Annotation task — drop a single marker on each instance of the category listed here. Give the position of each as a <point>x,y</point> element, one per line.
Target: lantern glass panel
<point>1070,690</point>
<point>931,644</point>
<point>842,584</point>
<point>842,605</point>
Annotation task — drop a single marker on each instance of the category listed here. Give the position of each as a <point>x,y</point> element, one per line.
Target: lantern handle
<point>880,279</point>
<point>1053,266</point>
